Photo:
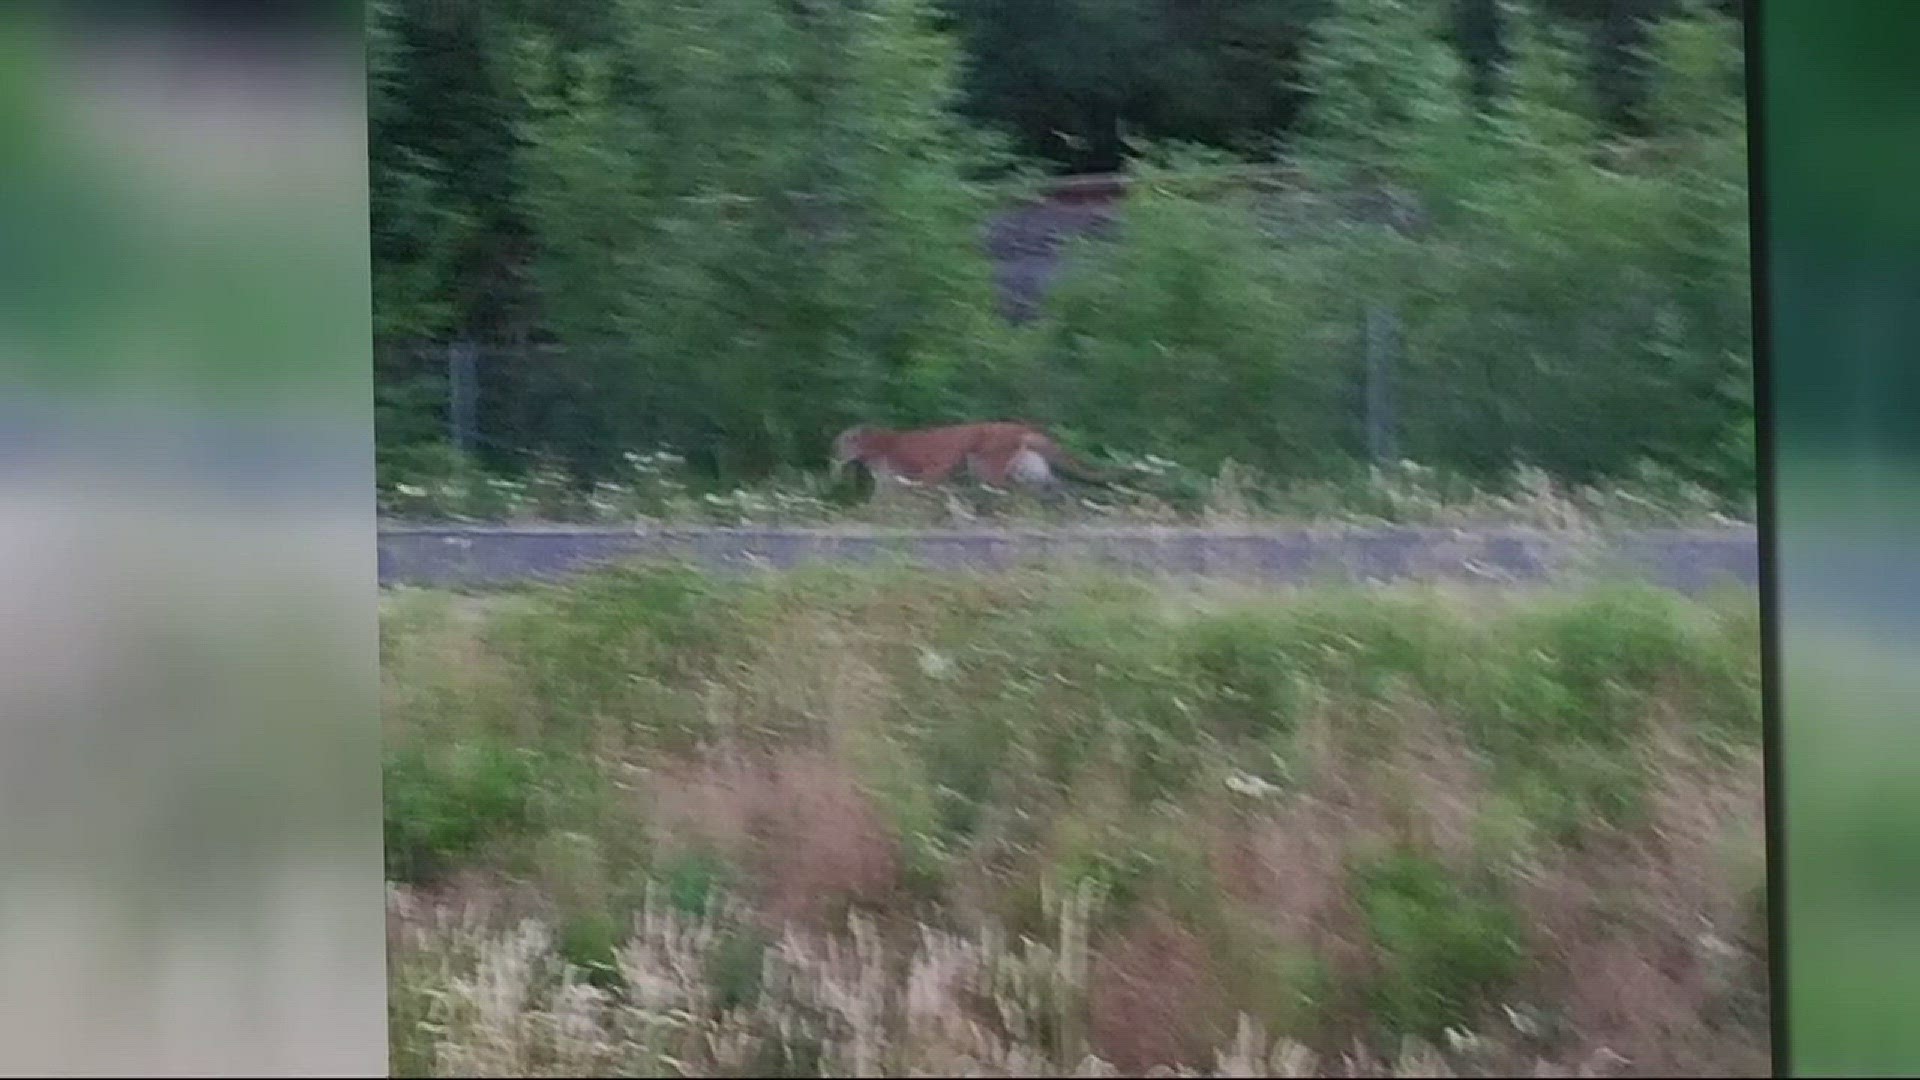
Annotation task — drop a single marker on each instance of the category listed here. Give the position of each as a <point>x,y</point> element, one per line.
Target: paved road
<point>1689,560</point>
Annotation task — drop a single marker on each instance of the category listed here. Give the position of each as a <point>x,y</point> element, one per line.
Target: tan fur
<point>992,453</point>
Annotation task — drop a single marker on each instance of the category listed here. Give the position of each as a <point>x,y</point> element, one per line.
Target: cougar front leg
<point>957,511</point>
<point>886,488</point>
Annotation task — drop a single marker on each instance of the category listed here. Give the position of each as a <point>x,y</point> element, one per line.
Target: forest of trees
<point>732,227</point>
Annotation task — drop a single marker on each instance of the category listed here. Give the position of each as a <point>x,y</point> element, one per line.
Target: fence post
<point>463,386</point>
<point>1382,339</point>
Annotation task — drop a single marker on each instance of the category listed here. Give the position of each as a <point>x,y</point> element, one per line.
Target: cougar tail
<point>1071,465</point>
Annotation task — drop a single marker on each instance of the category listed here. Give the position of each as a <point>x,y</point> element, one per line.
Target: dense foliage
<point>730,227</point>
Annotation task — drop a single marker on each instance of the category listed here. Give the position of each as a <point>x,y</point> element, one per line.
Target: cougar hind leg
<point>1031,469</point>
<point>1028,467</point>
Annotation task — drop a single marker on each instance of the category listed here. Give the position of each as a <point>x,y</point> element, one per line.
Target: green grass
<point>1339,793</point>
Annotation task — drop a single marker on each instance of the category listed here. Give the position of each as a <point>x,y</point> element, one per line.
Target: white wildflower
<point>1249,785</point>
<point>933,665</point>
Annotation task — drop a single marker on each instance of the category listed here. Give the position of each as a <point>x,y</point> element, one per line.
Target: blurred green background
<point>1841,109</point>
<point>189,784</point>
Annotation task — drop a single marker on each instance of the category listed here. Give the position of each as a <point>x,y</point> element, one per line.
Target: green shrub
<point>589,940</point>
<point>1444,949</point>
<point>692,880</point>
<point>443,805</point>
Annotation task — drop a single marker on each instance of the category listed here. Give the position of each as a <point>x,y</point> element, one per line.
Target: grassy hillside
<point>840,821</point>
